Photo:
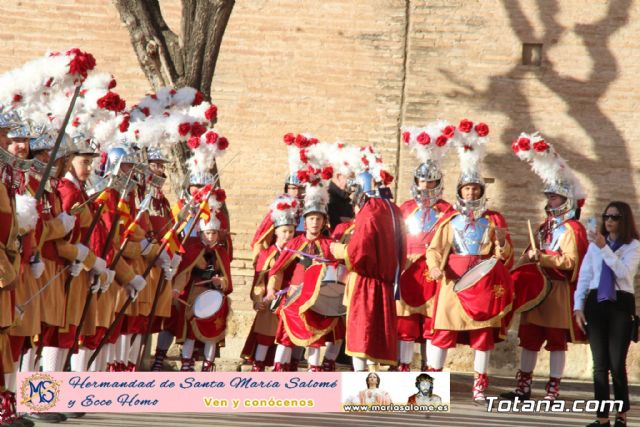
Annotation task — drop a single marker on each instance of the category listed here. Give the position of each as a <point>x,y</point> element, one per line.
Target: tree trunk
<point>171,60</point>
<point>178,61</point>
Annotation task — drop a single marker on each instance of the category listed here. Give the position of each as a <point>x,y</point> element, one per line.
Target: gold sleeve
<point>52,229</point>
<point>339,250</point>
<point>85,217</point>
<point>181,279</point>
<point>567,259</point>
<point>439,247</point>
<point>124,272</point>
<point>275,281</point>
<point>132,249</point>
<point>67,250</point>
<point>7,272</point>
<point>90,260</point>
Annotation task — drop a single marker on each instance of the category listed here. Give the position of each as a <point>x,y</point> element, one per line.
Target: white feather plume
<point>26,213</point>
<point>546,162</point>
<point>415,138</point>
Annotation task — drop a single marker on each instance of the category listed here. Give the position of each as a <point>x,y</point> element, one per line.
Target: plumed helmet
<point>155,155</point>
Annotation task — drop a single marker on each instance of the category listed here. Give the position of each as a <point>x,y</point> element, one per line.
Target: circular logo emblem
<point>39,392</point>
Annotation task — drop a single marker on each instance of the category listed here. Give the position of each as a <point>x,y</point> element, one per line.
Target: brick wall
<point>357,70</point>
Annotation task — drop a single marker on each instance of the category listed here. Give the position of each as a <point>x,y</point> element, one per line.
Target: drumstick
<point>532,241</point>
<point>205,281</point>
<point>184,302</point>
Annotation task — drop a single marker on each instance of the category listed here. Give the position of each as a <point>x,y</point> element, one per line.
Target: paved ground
<point>464,413</point>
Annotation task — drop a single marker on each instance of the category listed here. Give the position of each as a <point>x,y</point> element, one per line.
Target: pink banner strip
<point>179,392</point>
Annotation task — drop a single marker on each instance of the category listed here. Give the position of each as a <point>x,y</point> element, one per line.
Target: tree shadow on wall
<point>581,96</point>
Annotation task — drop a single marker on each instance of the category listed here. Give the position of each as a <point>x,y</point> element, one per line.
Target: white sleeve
<point>626,266</point>
<point>584,279</point>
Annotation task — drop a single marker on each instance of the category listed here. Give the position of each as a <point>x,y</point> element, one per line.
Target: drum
<point>485,291</point>
<point>328,299</point>
<point>531,286</point>
<point>207,304</point>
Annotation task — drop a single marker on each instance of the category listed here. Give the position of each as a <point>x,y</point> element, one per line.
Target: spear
<point>129,300</point>
<point>87,303</point>
<point>103,254</point>
<point>159,290</point>
<point>54,150</point>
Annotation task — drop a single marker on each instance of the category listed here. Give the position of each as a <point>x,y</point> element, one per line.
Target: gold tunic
<point>450,315</point>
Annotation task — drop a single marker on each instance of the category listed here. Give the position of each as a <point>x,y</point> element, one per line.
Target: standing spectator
<point>605,303</point>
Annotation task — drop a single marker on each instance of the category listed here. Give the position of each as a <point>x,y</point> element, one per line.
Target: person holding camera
<point>604,304</point>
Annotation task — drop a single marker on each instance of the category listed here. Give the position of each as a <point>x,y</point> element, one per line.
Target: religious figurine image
<point>424,384</point>
<point>372,395</point>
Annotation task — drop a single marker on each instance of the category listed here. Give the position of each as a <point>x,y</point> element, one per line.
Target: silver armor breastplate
<point>556,235</point>
<point>469,237</point>
<point>421,221</point>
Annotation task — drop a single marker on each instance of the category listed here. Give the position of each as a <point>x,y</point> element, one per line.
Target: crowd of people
<point>94,259</point>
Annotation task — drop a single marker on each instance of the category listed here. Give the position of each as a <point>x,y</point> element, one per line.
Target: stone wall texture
<point>357,71</point>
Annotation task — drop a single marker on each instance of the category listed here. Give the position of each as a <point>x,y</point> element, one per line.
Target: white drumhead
<point>207,304</point>
<point>335,274</point>
<point>475,274</point>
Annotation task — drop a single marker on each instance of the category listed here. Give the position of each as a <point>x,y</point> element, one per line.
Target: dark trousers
<point>609,332</point>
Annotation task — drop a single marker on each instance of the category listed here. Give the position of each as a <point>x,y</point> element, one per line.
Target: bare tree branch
<point>171,60</point>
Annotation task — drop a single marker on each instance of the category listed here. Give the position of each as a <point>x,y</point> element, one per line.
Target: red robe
<point>182,322</point>
<point>299,326</point>
<point>376,253</point>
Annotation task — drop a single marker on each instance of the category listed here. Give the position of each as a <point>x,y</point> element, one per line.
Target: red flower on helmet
<point>81,63</point>
<point>300,141</point>
<point>465,126</point>
<point>112,102</point>
<point>482,129</point>
<point>220,194</point>
<point>223,143</point>
<point>423,138</point>
<point>197,129</point>
<point>524,144</point>
<point>449,131</point>
<point>124,124</point>
<point>193,142</point>
<point>289,138</point>
<point>184,128</point>
<point>540,146</point>
<point>514,146</point>
<point>211,113</point>
<point>406,136</point>
<point>441,141</point>
<point>386,177</point>
<point>327,172</point>
<point>211,137</point>
<point>303,175</point>
<point>198,98</point>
